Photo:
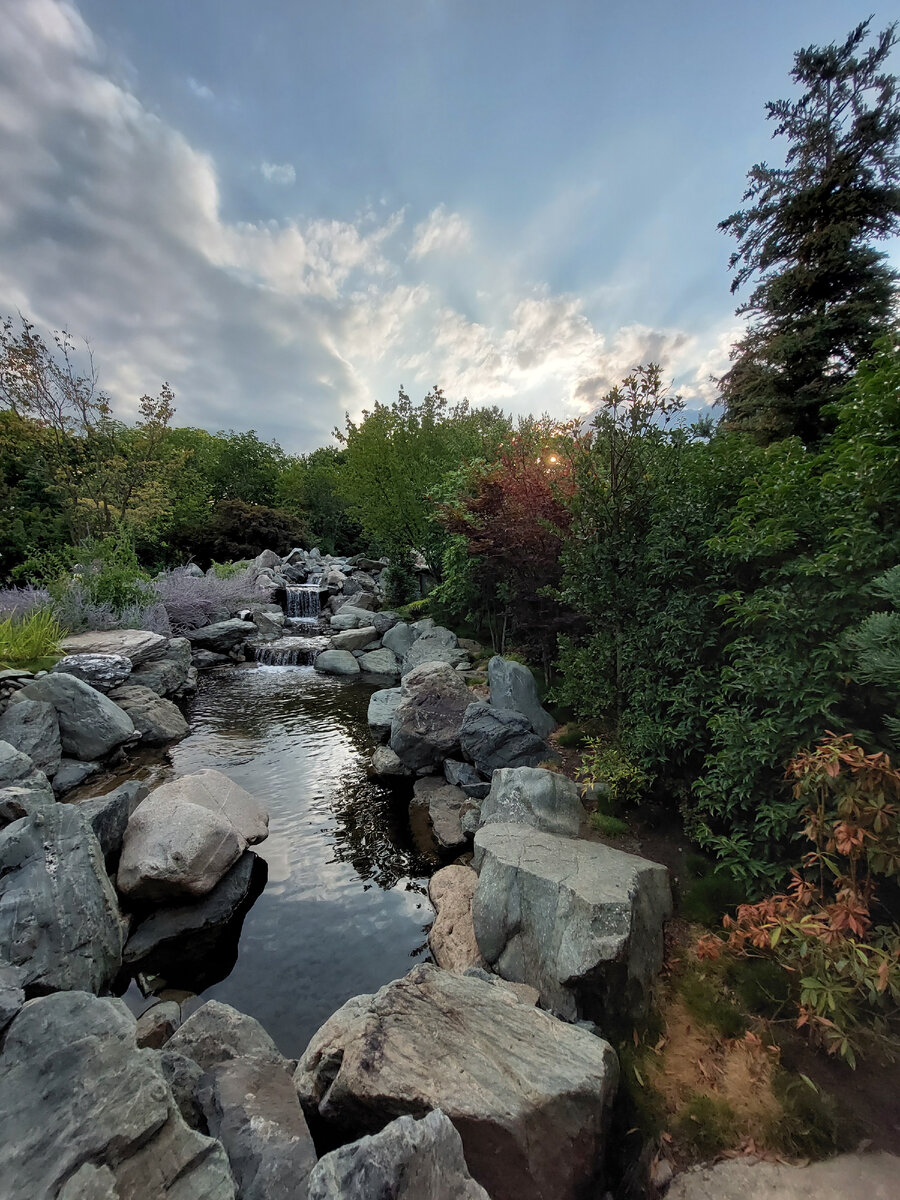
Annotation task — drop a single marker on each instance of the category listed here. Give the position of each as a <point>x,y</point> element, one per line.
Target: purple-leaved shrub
<point>20,602</point>
<point>193,601</point>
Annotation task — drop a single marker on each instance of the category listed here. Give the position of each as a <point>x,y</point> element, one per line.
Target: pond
<point>344,909</point>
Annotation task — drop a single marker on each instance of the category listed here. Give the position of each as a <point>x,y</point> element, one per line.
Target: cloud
<point>200,89</point>
<point>112,225</point>
<point>441,232</point>
<point>278,172</point>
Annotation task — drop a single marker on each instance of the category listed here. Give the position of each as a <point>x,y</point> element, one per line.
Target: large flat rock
<point>528,1095</point>
<point>59,919</point>
<point>77,1095</point>
<point>137,645</point>
<point>847,1177</point>
<point>577,920</point>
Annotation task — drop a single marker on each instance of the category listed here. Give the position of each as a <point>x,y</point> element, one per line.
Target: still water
<point>344,908</point>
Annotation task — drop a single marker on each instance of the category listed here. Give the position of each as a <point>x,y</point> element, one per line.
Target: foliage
<point>106,569</point>
<point>823,929</point>
<point>875,646</point>
<point>312,486</point>
<point>824,293</point>
<point>237,530</point>
<point>78,611</point>
<point>23,639</point>
<point>20,602</point>
<point>228,570</point>
<point>608,826</point>
<point>191,601</point>
<point>605,766</point>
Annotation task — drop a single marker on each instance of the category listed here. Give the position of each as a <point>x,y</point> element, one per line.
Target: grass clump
<point>572,737</point>
<point>607,825</point>
<point>24,639</point>
<point>707,1003</point>
<point>705,901</point>
<point>762,985</point>
<point>706,1125</point>
<point>811,1123</point>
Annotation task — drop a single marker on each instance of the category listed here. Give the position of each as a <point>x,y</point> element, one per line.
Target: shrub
<point>78,610</point>
<point>611,827</point>
<point>193,601</point>
<point>19,602</point>
<point>24,639</point>
<point>604,765</point>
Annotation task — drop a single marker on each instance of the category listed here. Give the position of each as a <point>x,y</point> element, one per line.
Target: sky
<point>290,209</point>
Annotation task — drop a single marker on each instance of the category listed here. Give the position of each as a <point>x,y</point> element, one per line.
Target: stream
<point>344,909</point>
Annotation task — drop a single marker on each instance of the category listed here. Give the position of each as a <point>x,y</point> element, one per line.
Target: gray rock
<point>846,1177</point>
<point>399,638</point>
<point>31,726</point>
<point>157,720</point>
<point>530,796</point>
<point>90,724</point>
<point>75,1089</point>
<point>108,816</point>
<point>512,686</point>
<point>353,639</point>
<point>444,805</point>
<point>451,938</point>
<point>90,1183</point>
<point>252,1108</point>
<point>408,1160</point>
<point>360,581</point>
<point>223,636</point>
<point>72,774</point>
<point>383,621</point>
<point>433,647</point>
<point>188,923</point>
<point>426,725</point>
<point>269,626</point>
<point>156,1024</point>
<point>183,1076</point>
<point>23,789</point>
<point>423,627</point>
<point>59,919</point>
<point>577,920</point>
<point>380,662</point>
<point>217,1033</point>
<point>382,705</point>
<point>204,659</point>
<point>267,560</point>
<point>101,671</point>
<point>183,838</point>
<point>12,992</point>
<point>464,775</point>
<point>498,737</point>
<point>167,674</point>
<point>386,763</point>
<point>358,602</point>
<point>336,662</point>
<point>137,645</point>
<point>528,1095</point>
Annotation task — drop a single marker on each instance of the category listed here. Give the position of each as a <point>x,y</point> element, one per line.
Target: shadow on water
<point>344,909</point>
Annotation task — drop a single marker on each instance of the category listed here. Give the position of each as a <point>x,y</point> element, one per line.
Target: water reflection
<point>344,908</point>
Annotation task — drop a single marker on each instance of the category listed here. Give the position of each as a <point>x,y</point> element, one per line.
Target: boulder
<point>426,724</point>
<point>223,636</point>
<point>531,796</point>
<point>101,671</point>
<point>353,639</point>
<point>59,919</point>
<point>333,580</point>
<point>72,774</point>
<point>12,992</point>
<point>183,1076</point>
<point>157,720</point>
<point>512,687</point>
<point>75,1090</point>
<point>577,920</point>
<point>408,1160</point>
<point>442,805</point>
<point>383,621</point>
<point>382,705</point>
<point>359,581</point>
<point>399,638</point>
<point>23,789</point>
<point>108,817</point>
<point>217,1033</point>
<point>156,1024</point>
<point>363,602</point>
<point>252,1108</point>
<point>528,1095</point>
<point>204,659</point>
<point>168,674</point>
<point>269,626</point>
<point>464,775</point>
<point>433,648</point>
<point>183,838</point>
<point>137,645</point>
<point>498,737</point>
<point>268,560</point>
<point>90,724</point>
<point>380,662</point>
<point>451,938</point>
<point>32,727</point>
<point>169,935</point>
<point>386,763</point>
<point>336,662</point>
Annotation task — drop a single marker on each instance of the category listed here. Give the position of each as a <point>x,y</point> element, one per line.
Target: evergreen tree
<point>824,293</point>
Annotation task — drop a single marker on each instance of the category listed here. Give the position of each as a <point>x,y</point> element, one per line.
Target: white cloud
<point>441,232</point>
<point>278,172</point>
<point>111,224</point>
<point>200,90</point>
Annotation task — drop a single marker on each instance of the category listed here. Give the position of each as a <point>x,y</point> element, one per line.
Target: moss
<point>762,986</point>
<point>705,901</point>
<point>706,1125</point>
<point>639,1105</point>
<point>607,825</point>
<point>571,737</point>
<point>812,1123</point>
<point>706,1001</point>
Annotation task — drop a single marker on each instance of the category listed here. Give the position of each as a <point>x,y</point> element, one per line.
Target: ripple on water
<point>344,909</point>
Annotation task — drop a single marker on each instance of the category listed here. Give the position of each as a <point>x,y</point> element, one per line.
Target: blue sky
<point>288,209</point>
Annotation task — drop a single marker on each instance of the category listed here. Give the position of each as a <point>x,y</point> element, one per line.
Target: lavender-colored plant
<point>193,601</point>
<point>21,602</point>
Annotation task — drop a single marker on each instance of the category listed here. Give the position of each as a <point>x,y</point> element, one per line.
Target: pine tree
<point>823,292</point>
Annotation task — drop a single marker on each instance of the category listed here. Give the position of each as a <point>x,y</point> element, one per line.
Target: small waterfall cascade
<point>290,652</point>
<point>303,599</point>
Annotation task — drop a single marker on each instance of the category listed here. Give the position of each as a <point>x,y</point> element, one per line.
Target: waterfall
<point>290,652</point>
<point>303,599</point>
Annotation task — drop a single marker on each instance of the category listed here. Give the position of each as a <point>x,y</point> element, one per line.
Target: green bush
<point>29,638</point>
